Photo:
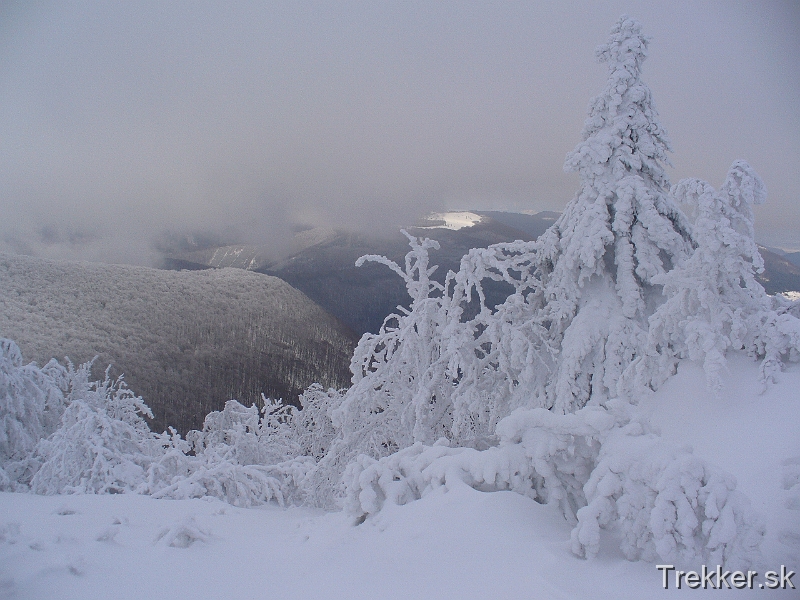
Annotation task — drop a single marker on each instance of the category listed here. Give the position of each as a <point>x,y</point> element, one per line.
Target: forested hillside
<point>185,341</point>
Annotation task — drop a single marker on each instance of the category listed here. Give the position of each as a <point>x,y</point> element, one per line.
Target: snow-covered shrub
<point>102,445</point>
<point>666,504</point>
<point>183,534</point>
<point>601,466</point>
<point>31,403</point>
<point>235,426</point>
<point>217,473</point>
<point>171,456</point>
<point>242,456</point>
<point>541,454</point>
<point>714,302</point>
<point>309,431</point>
<point>413,472</point>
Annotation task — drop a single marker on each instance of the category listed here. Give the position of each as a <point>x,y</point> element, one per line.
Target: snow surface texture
<point>556,394</point>
<point>457,544</point>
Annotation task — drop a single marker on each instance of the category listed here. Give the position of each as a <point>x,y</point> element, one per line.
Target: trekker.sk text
<point>719,579</point>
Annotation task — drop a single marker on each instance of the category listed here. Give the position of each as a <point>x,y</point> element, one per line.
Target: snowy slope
<point>456,544</point>
<point>754,435</point>
<point>186,341</point>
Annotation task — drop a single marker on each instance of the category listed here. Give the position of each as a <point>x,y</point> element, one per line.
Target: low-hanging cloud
<point>126,124</point>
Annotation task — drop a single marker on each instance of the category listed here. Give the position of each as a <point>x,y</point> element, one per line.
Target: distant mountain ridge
<point>186,341</point>
<point>322,263</point>
<point>793,257</point>
<point>780,273</point>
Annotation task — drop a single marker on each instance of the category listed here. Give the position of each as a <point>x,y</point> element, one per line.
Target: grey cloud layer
<point>122,122</point>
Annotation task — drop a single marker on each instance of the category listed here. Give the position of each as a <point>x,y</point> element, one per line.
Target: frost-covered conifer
<point>601,259</point>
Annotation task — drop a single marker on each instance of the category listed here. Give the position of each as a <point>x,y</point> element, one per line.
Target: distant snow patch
<point>452,220</point>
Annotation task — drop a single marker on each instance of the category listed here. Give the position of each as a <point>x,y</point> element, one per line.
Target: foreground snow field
<point>456,544</point>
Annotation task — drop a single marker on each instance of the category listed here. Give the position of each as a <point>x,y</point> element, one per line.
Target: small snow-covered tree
<point>102,445</point>
<point>396,378</point>
<point>666,503</point>
<point>712,295</point>
<point>31,403</point>
<point>397,392</point>
<point>714,302</point>
<point>501,358</point>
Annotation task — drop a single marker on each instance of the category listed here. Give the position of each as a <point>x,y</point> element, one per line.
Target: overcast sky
<point>122,120</point>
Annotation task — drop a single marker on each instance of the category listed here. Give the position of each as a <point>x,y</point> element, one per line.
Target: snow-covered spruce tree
<point>601,260</point>
<point>31,403</point>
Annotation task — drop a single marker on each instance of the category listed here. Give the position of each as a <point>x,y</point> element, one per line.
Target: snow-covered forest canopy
<point>537,395</point>
<point>185,341</point>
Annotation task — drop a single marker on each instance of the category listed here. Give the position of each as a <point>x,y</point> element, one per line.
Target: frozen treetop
<point>622,132</point>
<point>626,46</point>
